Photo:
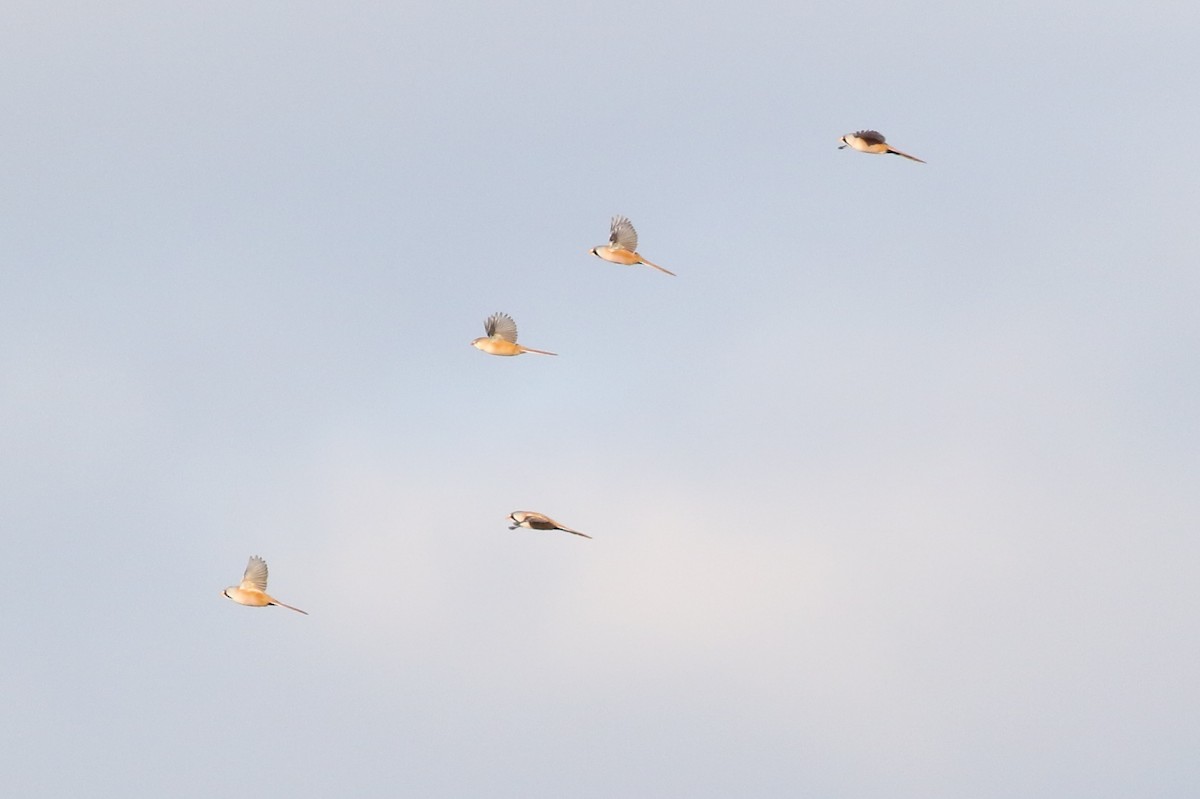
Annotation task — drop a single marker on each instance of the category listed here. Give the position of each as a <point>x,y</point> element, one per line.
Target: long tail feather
<point>539,352</point>
<point>659,268</point>
<point>906,155</point>
<point>289,607</point>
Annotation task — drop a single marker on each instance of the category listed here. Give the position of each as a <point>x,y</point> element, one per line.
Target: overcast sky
<point>893,490</point>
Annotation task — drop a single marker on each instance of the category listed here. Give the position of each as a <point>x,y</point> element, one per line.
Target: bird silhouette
<point>622,246</point>
<point>501,338</point>
<point>872,141</point>
<point>532,520</point>
<point>252,590</point>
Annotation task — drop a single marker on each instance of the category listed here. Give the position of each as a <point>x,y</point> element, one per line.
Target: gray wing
<point>871,136</point>
<point>540,521</point>
<point>502,325</point>
<point>622,235</point>
<point>256,574</point>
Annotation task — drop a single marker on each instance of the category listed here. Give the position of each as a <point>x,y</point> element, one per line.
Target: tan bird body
<point>622,246</point>
<point>872,141</point>
<point>532,520</point>
<point>501,338</point>
<point>252,591</point>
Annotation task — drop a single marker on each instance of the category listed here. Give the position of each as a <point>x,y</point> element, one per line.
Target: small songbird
<point>501,338</point>
<point>622,246</point>
<point>531,520</point>
<point>253,589</point>
<point>872,141</point>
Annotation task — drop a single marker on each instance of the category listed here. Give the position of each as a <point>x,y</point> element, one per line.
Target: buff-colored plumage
<point>501,338</point>
<point>532,520</point>
<point>622,246</point>
<point>872,141</point>
<point>252,591</point>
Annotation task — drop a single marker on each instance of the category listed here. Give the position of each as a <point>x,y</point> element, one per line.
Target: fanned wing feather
<point>871,136</point>
<point>502,325</point>
<point>622,235</point>
<point>256,574</point>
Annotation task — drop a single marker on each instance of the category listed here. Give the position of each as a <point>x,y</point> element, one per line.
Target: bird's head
<point>593,251</point>
<point>476,342</point>
<point>843,144</point>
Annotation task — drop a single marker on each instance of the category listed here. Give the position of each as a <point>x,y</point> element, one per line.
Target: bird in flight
<point>622,246</point>
<point>532,520</point>
<point>872,141</point>
<point>501,338</point>
<point>253,589</point>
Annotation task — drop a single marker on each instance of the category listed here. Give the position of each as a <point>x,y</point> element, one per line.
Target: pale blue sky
<point>893,488</point>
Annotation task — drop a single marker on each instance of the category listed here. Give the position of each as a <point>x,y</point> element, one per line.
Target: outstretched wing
<point>256,574</point>
<point>502,325</point>
<point>871,136</point>
<point>622,235</point>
